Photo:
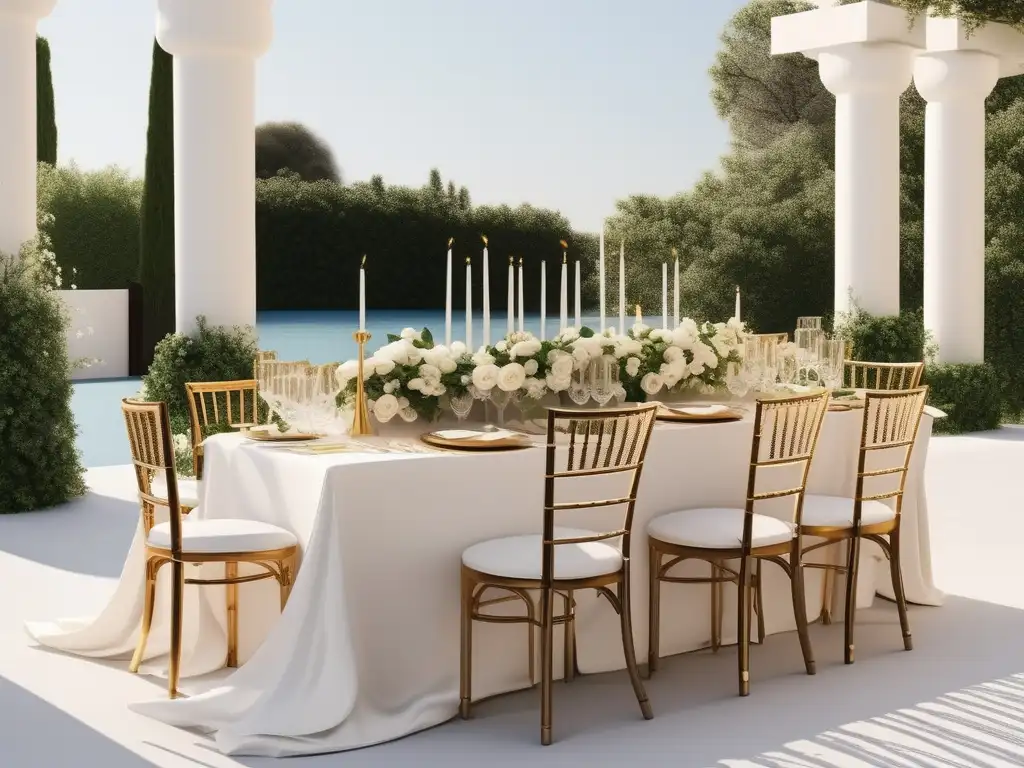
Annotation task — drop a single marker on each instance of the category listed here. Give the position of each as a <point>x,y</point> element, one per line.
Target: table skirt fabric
<point>367,649</point>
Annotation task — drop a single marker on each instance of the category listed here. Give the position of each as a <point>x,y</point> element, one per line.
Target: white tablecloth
<point>367,649</point>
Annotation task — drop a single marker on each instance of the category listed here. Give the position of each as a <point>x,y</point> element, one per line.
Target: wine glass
<point>831,362</point>
<point>788,368</point>
<point>462,404</point>
<point>499,399</point>
<point>753,362</point>
<point>736,380</point>
<point>602,384</point>
<point>769,364</point>
<point>579,388</point>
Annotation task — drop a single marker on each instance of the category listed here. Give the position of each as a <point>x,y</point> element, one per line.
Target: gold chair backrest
<point>891,421</point>
<point>149,434</point>
<point>261,357</point>
<point>785,435</point>
<point>778,338</point>
<point>600,442</point>
<point>860,374</point>
<point>231,403</point>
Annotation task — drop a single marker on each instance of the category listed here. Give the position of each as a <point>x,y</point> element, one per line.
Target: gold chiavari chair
<point>778,338</point>
<point>559,561</point>
<point>219,405</point>
<point>785,436</point>
<point>183,541</point>
<point>858,374</point>
<point>261,357</point>
<point>891,421</point>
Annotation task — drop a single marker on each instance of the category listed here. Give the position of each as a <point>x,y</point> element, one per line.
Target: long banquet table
<point>367,649</point>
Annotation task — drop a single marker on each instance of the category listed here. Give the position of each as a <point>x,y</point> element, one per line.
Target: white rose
<point>430,372</point>
<point>416,385</point>
<point>447,365</point>
<point>526,348</point>
<point>501,346</point>
<point>465,380</point>
<point>408,414</point>
<point>370,368</point>
<point>633,366</point>
<point>557,383</point>
<point>414,354</point>
<point>392,386</point>
<point>671,373</point>
<point>384,367</point>
<point>385,408</point>
<point>561,366</point>
<point>624,347</point>
<point>410,334</point>
<point>672,354</point>
<point>485,377</point>
<point>458,349</point>
<point>531,367</point>
<point>403,402</point>
<point>346,372</point>
<point>511,377</point>
<point>651,383</point>
<point>535,388</point>
<point>482,358</point>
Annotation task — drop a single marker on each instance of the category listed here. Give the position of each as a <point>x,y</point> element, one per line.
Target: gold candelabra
<point>361,425</point>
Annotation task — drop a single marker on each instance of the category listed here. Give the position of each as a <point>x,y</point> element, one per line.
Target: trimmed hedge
<point>311,236</point>
<point>970,395</point>
<point>95,224</point>
<point>886,339</point>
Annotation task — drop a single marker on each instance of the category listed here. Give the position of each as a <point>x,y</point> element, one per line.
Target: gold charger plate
<point>667,414</point>
<point>511,443</point>
<point>265,436</point>
<point>836,407</point>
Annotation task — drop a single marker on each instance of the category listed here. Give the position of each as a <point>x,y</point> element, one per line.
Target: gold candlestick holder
<point>361,425</point>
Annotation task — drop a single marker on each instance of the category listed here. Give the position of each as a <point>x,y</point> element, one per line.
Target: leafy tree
<point>974,12</point>
<point>434,183</point>
<point>377,183</point>
<point>156,258</point>
<point>297,148</point>
<point>46,116</point>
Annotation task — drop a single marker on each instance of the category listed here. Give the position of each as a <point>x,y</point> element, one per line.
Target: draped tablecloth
<point>367,649</point>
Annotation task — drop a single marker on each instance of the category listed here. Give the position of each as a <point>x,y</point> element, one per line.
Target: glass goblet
<point>499,399</point>
<point>461,405</point>
<point>736,380</point>
<point>579,388</point>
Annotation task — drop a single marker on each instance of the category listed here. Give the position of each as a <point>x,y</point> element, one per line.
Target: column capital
<point>867,68</point>
<point>955,75</point>
<point>32,9</point>
<point>220,27</point>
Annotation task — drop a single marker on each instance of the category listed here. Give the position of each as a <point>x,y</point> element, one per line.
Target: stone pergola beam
<point>865,54</point>
<point>955,76</point>
<point>215,45</point>
<point>18,20</point>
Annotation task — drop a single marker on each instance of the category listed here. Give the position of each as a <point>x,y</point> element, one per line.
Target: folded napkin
<point>699,410</point>
<point>470,434</point>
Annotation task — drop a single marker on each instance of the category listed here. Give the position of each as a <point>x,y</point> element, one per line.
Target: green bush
<point>404,233</point>
<point>970,395</point>
<point>887,339</point>
<point>39,464</point>
<point>46,115</point>
<point>95,223</point>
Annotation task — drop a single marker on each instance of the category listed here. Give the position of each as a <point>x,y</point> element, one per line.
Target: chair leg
<point>897,588</point>
<point>800,606</point>
<point>716,608</point>
<point>285,569</point>
<point>147,616</point>
<point>231,572</point>
<point>531,637</point>
<point>828,583</point>
<point>466,649</point>
<point>743,626</point>
<point>759,602</point>
<point>547,629</point>
<point>177,600</point>
<point>628,649</point>
<point>569,640</point>
<point>653,610</point>
<point>852,570</point>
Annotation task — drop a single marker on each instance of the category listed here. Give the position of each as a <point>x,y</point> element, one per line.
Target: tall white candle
<point>563,311</point>
<point>362,295</point>
<point>600,278</point>
<point>622,287</point>
<point>511,296</point>
<point>543,300</point>
<point>579,297</point>
<point>469,303</point>
<point>448,297</point>
<point>675,292</point>
<point>487,296</point>
<point>664,294</point>
<point>522,305</point>
<point>737,302</point>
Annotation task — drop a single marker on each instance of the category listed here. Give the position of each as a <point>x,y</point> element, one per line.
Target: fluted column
<point>215,45</point>
<point>955,84</point>
<point>867,80</point>
<point>18,19</point>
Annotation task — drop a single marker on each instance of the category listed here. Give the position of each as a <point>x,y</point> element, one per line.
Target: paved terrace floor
<point>954,701</point>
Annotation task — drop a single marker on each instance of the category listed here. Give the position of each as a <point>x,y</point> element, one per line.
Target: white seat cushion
<point>519,557</point>
<point>717,528</point>
<point>213,536</point>
<point>837,512</point>
<point>188,490</point>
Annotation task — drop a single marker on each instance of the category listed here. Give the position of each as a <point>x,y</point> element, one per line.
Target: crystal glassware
<point>736,380</point>
<point>499,399</point>
<point>579,387</point>
<point>788,368</point>
<point>831,360</point>
<point>753,362</point>
<point>461,405</point>
<point>809,323</point>
<point>769,364</point>
<point>602,379</point>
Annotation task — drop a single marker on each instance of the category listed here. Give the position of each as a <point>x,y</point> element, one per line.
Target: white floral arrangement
<point>410,376</point>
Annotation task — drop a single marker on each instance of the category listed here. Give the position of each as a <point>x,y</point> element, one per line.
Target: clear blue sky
<point>566,104</point>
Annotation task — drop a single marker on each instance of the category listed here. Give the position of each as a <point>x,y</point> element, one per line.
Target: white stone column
<point>18,19</point>
<point>867,80</point>
<point>955,84</point>
<point>215,46</point>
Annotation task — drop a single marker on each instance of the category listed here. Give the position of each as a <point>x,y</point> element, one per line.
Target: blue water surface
<point>320,337</point>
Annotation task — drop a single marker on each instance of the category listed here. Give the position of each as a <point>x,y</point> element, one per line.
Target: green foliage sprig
<point>969,394</point>
<point>888,338</point>
<point>40,465</point>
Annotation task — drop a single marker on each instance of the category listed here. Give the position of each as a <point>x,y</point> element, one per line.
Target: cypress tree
<point>46,116</point>
<point>156,258</point>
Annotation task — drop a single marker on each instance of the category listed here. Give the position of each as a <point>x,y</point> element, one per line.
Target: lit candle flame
<point>363,265</point>
<point>511,259</point>
<point>520,261</point>
<point>450,241</point>
<point>484,238</point>
<point>468,261</point>
<point>564,244</point>
<point>639,316</point>
<point>675,254</point>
